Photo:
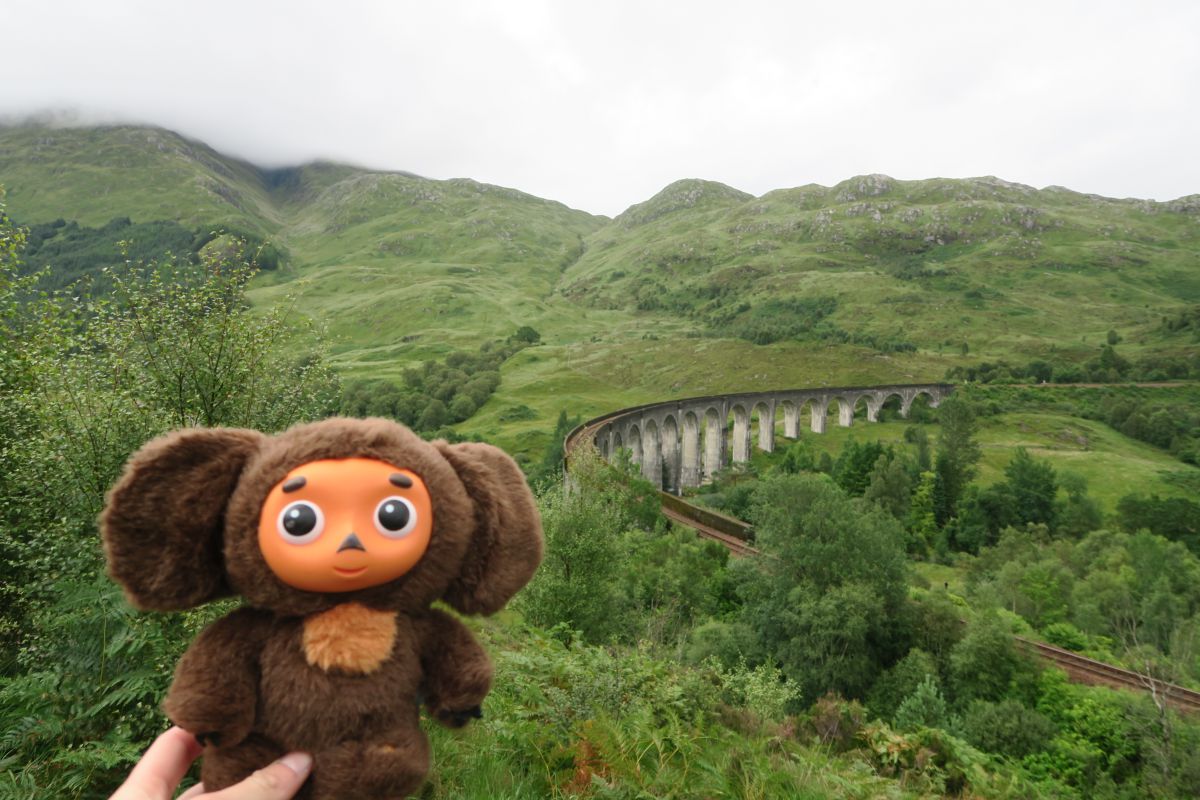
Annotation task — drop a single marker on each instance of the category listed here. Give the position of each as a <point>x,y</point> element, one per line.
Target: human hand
<point>165,763</point>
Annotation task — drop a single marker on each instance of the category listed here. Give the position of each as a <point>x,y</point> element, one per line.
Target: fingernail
<point>299,763</point>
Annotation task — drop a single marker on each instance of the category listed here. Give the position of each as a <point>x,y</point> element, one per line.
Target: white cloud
<point>600,105</point>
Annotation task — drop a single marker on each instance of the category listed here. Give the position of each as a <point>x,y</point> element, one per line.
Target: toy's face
<point>338,525</point>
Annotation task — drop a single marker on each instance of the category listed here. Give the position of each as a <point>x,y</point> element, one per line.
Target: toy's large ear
<point>163,522</point>
<point>506,546</point>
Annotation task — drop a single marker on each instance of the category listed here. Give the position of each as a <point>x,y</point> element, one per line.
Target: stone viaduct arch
<point>679,444</point>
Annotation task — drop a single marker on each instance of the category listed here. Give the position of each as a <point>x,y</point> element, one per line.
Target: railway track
<point>737,536</point>
<point>1082,669</point>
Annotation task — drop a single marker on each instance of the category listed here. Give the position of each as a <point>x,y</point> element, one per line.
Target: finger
<point>195,791</point>
<point>161,767</point>
<point>279,781</point>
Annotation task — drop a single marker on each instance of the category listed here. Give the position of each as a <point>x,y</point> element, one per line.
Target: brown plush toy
<point>339,535</point>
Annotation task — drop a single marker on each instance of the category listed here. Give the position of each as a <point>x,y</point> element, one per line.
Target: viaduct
<point>681,443</point>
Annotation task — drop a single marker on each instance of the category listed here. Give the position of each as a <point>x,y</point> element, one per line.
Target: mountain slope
<point>94,174</point>
<point>701,288</point>
<point>1010,270</point>
<point>395,266</point>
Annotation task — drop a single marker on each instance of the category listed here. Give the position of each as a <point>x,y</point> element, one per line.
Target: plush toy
<point>339,535</point>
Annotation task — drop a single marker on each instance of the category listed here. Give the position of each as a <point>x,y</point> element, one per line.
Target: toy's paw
<point>456,719</point>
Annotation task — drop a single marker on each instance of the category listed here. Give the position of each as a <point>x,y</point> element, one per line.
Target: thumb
<point>279,781</point>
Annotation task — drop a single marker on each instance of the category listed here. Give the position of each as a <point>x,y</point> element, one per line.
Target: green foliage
<point>985,664</point>
<point>1137,590</point>
<point>762,689</point>
<point>935,762</point>
<point>79,693</point>
<point>66,254</point>
<point>958,454</point>
<point>578,582</point>
<point>1033,487</point>
<point>937,626</point>
<point>922,524</point>
<point>890,486</point>
<point>900,681</point>
<point>569,720</point>
<point>924,708</point>
<point>1173,518</point>
<point>526,335</point>
<point>437,393</point>
<point>798,457</point>
<point>1080,513</point>
<point>674,579</point>
<point>1008,728</point>
<point>1027,496</point>
<point>854,466</point>
<point>732,493</point>
<point>774,320</point>
<point>551,467</point>
<point>1097,742</point>
<point>825,596</point>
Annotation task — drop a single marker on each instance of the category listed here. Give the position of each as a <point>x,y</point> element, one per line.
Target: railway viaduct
<point>681,443</point>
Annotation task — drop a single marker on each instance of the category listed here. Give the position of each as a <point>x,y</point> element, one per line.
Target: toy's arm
<point>215,691</point>
<point>457,671</point>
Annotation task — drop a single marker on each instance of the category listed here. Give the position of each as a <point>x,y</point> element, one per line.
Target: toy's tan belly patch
<point>349,637</point>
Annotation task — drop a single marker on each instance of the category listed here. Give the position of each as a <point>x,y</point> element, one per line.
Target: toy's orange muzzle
<point>338,525</point>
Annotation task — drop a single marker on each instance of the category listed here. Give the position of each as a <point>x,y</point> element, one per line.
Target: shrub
<point>924,708</point>
<point>827,594</point>
<point>899,682</point>
<point>1007,728</point>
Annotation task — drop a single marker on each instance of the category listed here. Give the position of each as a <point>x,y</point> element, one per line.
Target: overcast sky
<point>601,104</point>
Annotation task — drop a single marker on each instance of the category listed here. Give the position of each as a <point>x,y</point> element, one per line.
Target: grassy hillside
<point>1009,270</point>
<point>400,267</point>
<point>92,175</point>
<point>700,289</point>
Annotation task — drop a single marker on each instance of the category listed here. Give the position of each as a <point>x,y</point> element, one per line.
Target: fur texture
<point>338,674</point>
<point>349,637</point>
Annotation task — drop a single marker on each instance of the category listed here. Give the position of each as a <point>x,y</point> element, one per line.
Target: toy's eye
<point>300,522</point>
<point>395,517</point>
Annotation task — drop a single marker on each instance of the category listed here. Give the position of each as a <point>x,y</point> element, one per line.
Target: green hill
<point>700,289</point>
<point>1011,271</point>
<point>92,175</point>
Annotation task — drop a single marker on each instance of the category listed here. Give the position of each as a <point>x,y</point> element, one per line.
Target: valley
<point>867,652</point>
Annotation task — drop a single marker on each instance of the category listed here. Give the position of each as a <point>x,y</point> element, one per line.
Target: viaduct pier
<point>679,444</point>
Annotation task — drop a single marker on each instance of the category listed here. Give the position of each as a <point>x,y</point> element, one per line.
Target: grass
<point>1114,465</point>
<point>582,721</point>
<point>396,269</point>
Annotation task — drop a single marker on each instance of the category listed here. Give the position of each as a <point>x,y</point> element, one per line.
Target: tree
<point>900,681</point>
<point>527,335</point>
<point>1033,487</point>
<point>18,426</point>
<point>433,417</point>
<point>825,595</point>
<point>985,662</point>
<point>462,407</point>
<point>922,523</point>
<point>958,453</point>
<point>173,347</point>
<point>798,458</point>
<point>924,708</point>
<point>551,466</point>
<point>852,470</point>
<point>579,582</point>
<point>1080,513</point>
<point>1007,728</point>
<point>890,486</point>
<point>1172,517</point>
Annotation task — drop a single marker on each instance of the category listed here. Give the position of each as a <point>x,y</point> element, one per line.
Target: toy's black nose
<point>351,542</point>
